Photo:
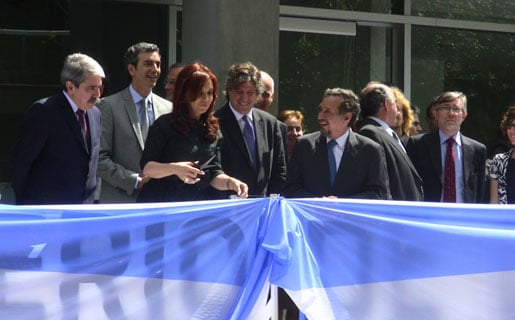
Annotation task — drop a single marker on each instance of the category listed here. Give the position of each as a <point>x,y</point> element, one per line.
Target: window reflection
<point>488,11</point>
<point>479,64</point>
<point>311,63</point>
<point>378,6</point>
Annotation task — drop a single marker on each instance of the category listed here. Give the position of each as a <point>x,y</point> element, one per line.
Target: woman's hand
<point>187,172</point>
<point>241,188</point>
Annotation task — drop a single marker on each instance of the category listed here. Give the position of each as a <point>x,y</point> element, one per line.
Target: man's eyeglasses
<point>449,109</point>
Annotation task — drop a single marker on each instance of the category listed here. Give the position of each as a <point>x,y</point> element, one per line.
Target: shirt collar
<point>240,115</point>
<point>74,106</point>
<point>382,123</point>
<point>136,97</point>
<point>444,137</point>
<point>341,140</point>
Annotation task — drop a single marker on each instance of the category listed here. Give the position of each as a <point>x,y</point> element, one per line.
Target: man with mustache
<point>126,117</point>
<point>451,165</point>
<point>336,162</point>
<point>55,158</point>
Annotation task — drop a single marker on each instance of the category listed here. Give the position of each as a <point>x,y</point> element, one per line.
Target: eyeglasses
<point>449,109</point>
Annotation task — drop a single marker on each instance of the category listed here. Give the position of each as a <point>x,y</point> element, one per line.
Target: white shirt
<point>136,98</point>
<point>339,148</point>
<point>390,131</point>
<point>239,117</point>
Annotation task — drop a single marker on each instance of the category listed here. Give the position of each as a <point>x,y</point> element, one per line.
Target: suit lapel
<point>130,109</point>
<point>435,153</point>
<point>467,161</point>
<point>349,153</point>
<point>73,123</point>
<point>411,165</point>
<point>159,107</point>
<point>321,146</point>
<point>259,130</point>
<point>233,128</point>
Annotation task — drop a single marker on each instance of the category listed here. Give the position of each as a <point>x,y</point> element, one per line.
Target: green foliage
<point>480,64</point>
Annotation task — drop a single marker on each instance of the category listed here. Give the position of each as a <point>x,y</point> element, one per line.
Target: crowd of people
<point>76,147</point>
<point>135,146</point>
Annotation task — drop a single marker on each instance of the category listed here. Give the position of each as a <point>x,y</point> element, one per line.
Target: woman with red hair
<point>182,150</point>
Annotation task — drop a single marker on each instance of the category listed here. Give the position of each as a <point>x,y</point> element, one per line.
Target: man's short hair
<point>373,97</point>
<point>449,96</point>
<point>131,55</point>
<point>77,66</point>
<point>350,102</point>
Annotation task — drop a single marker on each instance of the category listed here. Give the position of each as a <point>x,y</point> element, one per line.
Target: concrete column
<point>221,33</point>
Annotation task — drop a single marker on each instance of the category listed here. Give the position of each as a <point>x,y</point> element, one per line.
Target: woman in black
<point>182,150</point>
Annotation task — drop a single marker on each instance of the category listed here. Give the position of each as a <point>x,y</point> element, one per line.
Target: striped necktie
<point>449,185</point>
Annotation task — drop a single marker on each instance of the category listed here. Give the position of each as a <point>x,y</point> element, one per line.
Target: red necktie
<point>83,125</point>
<point>449,185</point>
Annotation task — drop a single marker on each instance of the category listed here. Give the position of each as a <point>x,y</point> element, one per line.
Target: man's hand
<point>142,181</point>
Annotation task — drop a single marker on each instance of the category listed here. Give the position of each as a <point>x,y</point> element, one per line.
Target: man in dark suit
<point>378,115</point>
<point>467,157</point>
<point>252,149</point>
<point>126,117</point>
<point>55,159</point>
<point>359,163</point>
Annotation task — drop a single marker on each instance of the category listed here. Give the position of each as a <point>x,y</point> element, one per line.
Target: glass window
<point>29,62</point>
<point>35,14</point>
<point>36,36</point>
<point>311,63</point>
<point>378,6</point>
<point>488,11</point>
<point>480,64</point>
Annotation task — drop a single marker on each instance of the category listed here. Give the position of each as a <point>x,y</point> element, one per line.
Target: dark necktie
<point>449,185</point>
<point>332,161</point>
<point>250,139</point>
<point>83,125</point>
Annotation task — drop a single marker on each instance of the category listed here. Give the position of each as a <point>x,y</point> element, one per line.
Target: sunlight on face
<point>148,70</point>
<point>450,116</point>
<point>332,123</point>
<point>203,101</point>
<point>88,93</point>
<point>295,129</point>
<point>244,97</point>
